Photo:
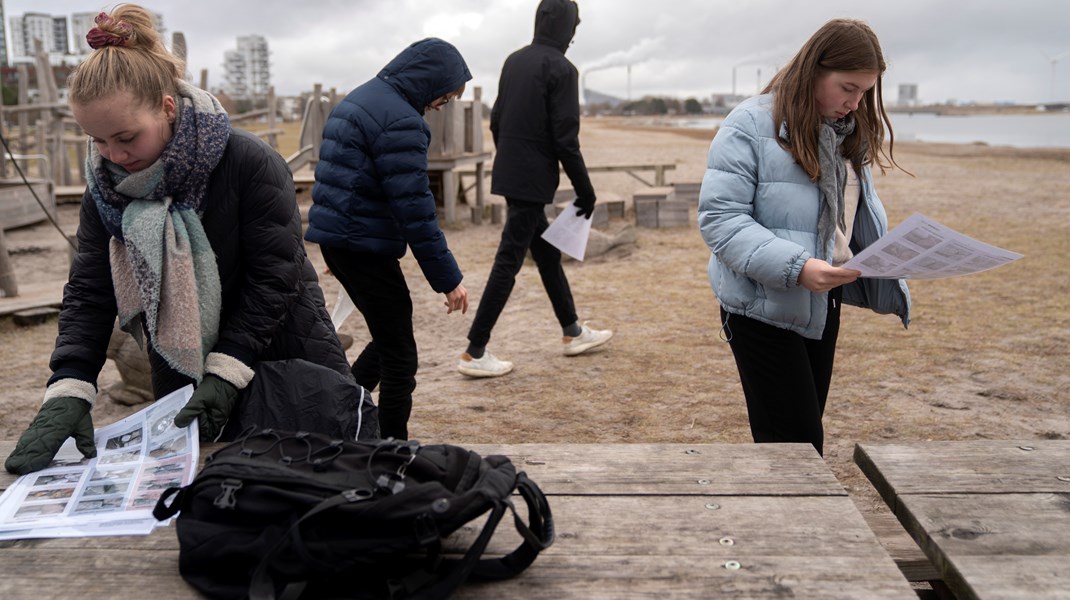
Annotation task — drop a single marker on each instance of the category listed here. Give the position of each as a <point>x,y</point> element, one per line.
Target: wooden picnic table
<point>632,521</point>
<point>992,516</point>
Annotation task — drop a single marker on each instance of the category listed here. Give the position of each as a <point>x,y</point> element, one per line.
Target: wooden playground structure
<point>42,162</point>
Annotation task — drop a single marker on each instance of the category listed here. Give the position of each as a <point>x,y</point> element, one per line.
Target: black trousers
<point>522,231</point>
<point>785,376</point>
<point>377,287</point>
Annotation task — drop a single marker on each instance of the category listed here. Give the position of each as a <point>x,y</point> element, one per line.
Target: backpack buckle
<point>226,499</point>
<point>425,529</point>
<point>391,483</point>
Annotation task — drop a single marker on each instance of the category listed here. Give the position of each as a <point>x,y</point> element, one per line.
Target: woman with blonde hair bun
<point>189,233</point>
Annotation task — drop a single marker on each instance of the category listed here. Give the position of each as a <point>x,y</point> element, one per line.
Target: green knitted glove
<point>210,404</point>
<point>58,419</point>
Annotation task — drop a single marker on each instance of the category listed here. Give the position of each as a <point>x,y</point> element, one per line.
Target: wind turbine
<point>1054,61</point>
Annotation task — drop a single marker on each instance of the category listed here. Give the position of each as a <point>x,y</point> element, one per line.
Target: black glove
<point>210,404</point>
<point>585,207</point>
<point>58,419</point>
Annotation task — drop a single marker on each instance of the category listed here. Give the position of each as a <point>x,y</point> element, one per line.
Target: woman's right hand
<point>819,277</point>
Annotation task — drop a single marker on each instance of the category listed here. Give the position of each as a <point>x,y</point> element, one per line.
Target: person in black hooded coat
<point>535,123</point>
<point>372,199</point>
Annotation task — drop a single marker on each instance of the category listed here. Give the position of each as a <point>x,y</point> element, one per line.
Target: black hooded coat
<point>536,116</point>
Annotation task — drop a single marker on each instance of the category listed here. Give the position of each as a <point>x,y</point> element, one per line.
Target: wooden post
<point>42,142</point>
<point>204,79</point>
<point>271,118</point>
<point>476,123</point>
<point>8,286</point>
<point>3,154</point>
<point>57,154</point>
<point>24,116</point>
<point>449,194</point>
<point>178,48</point>
<point>81,150</point>
<point>46,81</point>
<point>316,121</point>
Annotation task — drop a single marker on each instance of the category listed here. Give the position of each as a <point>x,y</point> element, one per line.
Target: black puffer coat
<point>272,305</point>
<point>536,116</point>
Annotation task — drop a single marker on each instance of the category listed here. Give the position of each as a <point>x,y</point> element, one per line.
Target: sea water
<point>1048,130</point>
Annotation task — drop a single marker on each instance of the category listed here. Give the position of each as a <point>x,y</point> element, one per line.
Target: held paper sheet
<point>569,232</point>
<point>113,494</point>
<point>920,248</point>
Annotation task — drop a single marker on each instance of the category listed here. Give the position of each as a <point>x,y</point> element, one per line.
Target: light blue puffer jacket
<point>758,214</point>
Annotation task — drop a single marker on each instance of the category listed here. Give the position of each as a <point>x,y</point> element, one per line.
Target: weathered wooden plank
<point>33,295</point>
<point>994,524</point>
<point>674,213</point>
<point>970,538</point>
<point>677,546</point>
<point>992,516</point>
<point>672,469</point>
<point>985,467</point>
<point>906,553</point>
<point>632,520</point>
<point>1013,577</point>
<point>65,575</point>
<point>663,469</point>
<point>19,207</point>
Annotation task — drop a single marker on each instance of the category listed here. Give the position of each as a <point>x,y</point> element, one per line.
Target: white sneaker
<point>586,340</point>
<point>484,366</point>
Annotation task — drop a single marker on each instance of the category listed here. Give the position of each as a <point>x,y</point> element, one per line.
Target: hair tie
<point>98,38</point>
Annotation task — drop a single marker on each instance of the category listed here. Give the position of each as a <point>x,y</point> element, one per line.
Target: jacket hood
<point>426,70</point>
<point>555,23</point>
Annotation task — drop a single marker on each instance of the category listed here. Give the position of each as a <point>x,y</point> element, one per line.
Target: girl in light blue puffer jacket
<point>788,197</point>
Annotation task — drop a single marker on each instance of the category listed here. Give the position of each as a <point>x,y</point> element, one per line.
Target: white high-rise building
<point>81,23</point>
<point>28,27</point>
<point>247,70</point>
<point>908,94</point>
<point>4,61</point>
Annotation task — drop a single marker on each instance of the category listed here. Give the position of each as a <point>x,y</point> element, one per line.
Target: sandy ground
<point>984,358</point>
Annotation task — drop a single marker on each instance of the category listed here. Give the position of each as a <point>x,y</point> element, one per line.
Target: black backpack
<point>299,514</point>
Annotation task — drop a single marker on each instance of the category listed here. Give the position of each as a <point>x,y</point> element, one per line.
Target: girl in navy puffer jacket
<point>372,200</point>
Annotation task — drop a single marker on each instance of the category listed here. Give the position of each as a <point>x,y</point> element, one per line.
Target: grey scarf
<point>163,267</point>
<point>833,177</point>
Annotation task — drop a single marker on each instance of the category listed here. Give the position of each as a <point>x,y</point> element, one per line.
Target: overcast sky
<point>976,50</point>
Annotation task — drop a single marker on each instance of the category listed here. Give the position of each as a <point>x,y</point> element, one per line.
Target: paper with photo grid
<point>920,248</point>
<point>138,457</point>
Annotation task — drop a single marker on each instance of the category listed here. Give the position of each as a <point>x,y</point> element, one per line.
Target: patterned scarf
<point>833,177</point>
<point>163,267</point>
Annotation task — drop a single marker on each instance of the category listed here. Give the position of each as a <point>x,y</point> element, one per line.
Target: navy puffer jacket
<point>372,192</point>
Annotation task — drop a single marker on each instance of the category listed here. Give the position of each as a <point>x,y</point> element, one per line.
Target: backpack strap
<point>163,510</point>
<point>261,586</point>
<point>537,536</point>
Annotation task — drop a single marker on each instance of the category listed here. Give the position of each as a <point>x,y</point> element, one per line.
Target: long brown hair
<point>135,60</point>
<point>840,45</point>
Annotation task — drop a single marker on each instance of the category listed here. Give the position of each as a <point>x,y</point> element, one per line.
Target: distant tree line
<point>650,105</point>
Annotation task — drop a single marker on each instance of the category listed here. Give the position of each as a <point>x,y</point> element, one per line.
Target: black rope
<point>33,191</point>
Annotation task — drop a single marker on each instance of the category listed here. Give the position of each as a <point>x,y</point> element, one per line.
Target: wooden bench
<point>992,516</point>
<point>632,520</point>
